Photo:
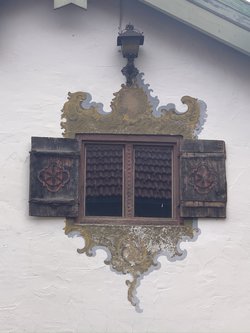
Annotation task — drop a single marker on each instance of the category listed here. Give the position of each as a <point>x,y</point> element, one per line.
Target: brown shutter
<point>54,174</point>
<point>202,178</point>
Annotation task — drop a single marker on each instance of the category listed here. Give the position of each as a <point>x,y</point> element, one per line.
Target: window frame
<point>129,141</point>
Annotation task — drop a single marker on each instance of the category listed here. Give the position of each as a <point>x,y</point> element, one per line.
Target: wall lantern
<point>130,40</point>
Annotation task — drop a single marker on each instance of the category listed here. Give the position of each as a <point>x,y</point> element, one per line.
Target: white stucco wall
<point>45,285</point>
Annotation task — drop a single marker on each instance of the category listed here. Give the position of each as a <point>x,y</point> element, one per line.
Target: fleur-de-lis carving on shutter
<point>203,190</point>
<point>54,176</point>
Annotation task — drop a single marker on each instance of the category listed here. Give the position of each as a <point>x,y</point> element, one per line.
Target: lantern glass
<point>130,47</point>
<point>130,50</point>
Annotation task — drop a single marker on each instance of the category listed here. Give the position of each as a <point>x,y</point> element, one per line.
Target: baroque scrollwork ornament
<point>134,249</point>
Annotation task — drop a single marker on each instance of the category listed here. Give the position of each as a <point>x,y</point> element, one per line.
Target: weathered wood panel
<point>203,178</point>
<point>54,175</point>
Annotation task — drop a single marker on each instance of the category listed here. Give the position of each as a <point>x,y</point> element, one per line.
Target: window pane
<point>153,181</point>
<point>104,164</point>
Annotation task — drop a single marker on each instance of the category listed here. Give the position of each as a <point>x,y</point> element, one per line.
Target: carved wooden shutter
<point>203,178</point>
<point>54,176</point>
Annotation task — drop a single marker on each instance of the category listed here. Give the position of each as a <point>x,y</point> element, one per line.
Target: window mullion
<point>82,180</point>
<point>129,181</point>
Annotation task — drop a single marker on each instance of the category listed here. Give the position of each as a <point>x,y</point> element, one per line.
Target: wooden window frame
<point>129,141</point>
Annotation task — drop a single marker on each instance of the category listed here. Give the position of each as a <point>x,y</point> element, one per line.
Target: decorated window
<point>127,179</point>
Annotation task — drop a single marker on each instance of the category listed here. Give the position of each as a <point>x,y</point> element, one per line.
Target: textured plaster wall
<point>45,286</point>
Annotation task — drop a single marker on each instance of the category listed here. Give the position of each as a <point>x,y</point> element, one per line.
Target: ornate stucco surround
<point>133,249</point>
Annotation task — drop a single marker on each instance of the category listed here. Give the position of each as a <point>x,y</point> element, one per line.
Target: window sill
<point>111,220</point>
